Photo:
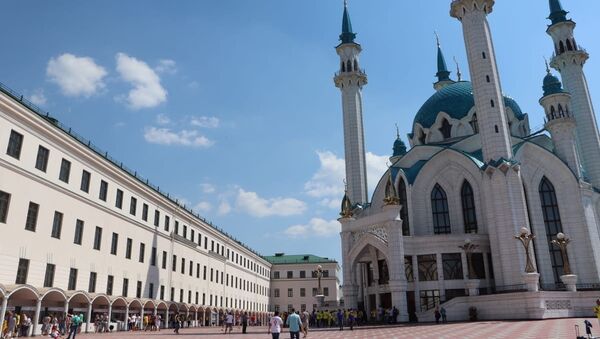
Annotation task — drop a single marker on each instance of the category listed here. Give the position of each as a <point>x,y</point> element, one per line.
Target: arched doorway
<point>135,312</point>
<point>101,310</point>
<point>79,303</point>
<point>161,314</point>
<point>25,299</point>
<point>119,314</point>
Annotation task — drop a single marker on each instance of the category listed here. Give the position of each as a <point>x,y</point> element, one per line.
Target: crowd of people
<point>54,326</point>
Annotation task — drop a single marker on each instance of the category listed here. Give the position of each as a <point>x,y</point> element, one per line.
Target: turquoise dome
<point>552,85</point>
<point>456,100</point>
<point>399,147</point>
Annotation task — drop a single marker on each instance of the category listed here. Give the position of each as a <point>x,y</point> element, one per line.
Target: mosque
<point>480,212</point>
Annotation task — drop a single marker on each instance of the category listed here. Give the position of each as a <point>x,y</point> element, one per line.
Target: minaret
<point>560,122</point>
<point>442,74</point>
<point>502,181</point>
<point>489,102</point>
<point>350,79</point>
<point>569,59</point>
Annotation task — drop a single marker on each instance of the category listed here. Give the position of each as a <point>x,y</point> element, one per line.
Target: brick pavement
<point>535,329</point>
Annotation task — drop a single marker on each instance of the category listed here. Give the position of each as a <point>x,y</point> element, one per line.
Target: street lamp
<point>525,237</point>
<point>319,272</point>
<point>562,241</point>
<point>469,247</point>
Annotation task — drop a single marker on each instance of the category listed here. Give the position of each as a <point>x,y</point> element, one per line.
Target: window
<point>125,287</point>
<point>145,212</point>
<point>276,293</point>
<point>446,129</point>
<point>290,292</point>
<point>408,269</point>
<point>151,291</point>
<point>474,124</point>
<point>138,290</point>
<point>114,244</point>
<point>453,293</point>
<point>427,267</point>
<point>483,55</point>
<point>276,275</point>
<point>109,285</point>
<point>477,261</point>
<point>302,274</point>
<point>72,279</point>
<point>78,232</point>
<point>174,263</point>
<point>192,268</point>
<point>290,274</point>
<point>41,162</point>
<point>132,206</point>
<point>156,218</point>
<point>92,284</point>
<point>65,170</point>
<point>303,292</point>
<point>441,215</point>
<point>85,181</point>
<point>49,276</point>
<point>452,265</point>
<point>162,293</point>
<point>153,257</point>
<point>185,235</point>
<point>198,271</point>
<point>404,211</point>
<point>22,270</point>
<point>429,299</point>
<point>553,224</point>
<point>15,142</point>
<point>211,274</point>
<point>468,206</point>
<point>119,199</point>
<point>204,274</point>
<point>128,248</point>
<point>103,190</point>
<point>384,273</point>
<point>142,251</point>
<point>167,222</point>
<point>4,203</point>
<point>98,238</point>
<point>326,291</point>
<point>57,225</point>
<point>177,228</point>
<point>32,215</point>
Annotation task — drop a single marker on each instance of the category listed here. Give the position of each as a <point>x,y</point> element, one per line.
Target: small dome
<point>552,84</point>
<point>456,100</point>
<point>399,147</point>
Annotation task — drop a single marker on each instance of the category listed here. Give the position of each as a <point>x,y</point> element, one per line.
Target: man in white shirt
<point>228,322</point>
<point>275,325</point>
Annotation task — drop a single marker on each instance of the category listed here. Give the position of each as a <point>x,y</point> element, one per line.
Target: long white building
<point>80,233</point>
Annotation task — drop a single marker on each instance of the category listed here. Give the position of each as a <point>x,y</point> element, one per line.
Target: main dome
<point>456,100</point>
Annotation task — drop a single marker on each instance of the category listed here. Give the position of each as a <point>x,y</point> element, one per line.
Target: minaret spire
<point>442,74</point>
<point>557,13</point>
<point>458,73</point>
<point>347,35</point>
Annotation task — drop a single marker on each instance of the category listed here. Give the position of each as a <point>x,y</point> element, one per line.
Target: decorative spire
<point>346,204</point>
<point>442,74</point>
<point>391,196</point>
<point>399,146</point>
<point>347,35</point>
<point>458,73</point>
<point>557,13</point>
<point>552,84</point>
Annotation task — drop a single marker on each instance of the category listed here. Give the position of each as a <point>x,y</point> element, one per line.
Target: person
<point>597,309</point>
<point>75,321</point>
<point>395,313</point>
<point>275,325</point>
<point>305,321</point>
<point>351,319</point>
<point>244,322</point>
<point>228,322</point>
<point>294,323</point>
<point>176,322</point>
<point>437,315</point>
<point>340,319</point>
<point>443,312</point>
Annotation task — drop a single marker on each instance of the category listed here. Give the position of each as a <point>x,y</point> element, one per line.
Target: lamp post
<point>562,241</point>
<point>320,297</point>
<point>525,237</point>
<point>469,247</point>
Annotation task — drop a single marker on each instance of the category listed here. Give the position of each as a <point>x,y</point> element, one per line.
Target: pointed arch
<point>404,210</point>
<point>561,47</point>
<point>474,123</point>
<point>552,112</point>
<point>440,211</point>
<point>468,207</point>
<point>343,67</point>
<point>355,65</point>
<point>349,66</point>
<point>553,224</point>
<point>561,113</point>
<point>569,45</point>
<point>446,129</point>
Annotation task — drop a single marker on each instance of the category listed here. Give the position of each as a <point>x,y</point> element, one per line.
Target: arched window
<point>561,47</point>
<point>553,224</point>
<point>422,137</point>
<point>561,113</point>
<point>492,103</point>
<point>404,210</point>
<point>487,78</point>
<point>569,45</point>
<point>355,65</point>
<point>552,112</point>
<point>474,123</point>
<point>343,67</point>
<point>439,208</point>
<point>574,44</point>
<point>349,66</point>
<point>446,129</point>
<point>468,207</point>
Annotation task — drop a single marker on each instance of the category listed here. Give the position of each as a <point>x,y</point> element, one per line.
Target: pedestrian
<point>176,323</point>
<point>75,321</point>
<point>351,319</point>
<point>228,322</point>
<point>275,325</point>
<point>437,315</point>
<point>294,323</point>
<point>597,309</point>
<point>340,319</point>
<point>244,322</point>
<point>443,312</point>
<point>305,317</point>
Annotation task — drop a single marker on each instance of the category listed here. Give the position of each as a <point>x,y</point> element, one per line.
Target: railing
<point>588,287</point>
<point>87,143</point>
<point>509,289</point>
<point>553,287</point>
<point>359,71</point>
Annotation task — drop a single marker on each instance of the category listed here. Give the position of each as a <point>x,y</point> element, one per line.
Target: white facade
<point>294,285</point>
<point>475,176</point>
<point>135,248</point>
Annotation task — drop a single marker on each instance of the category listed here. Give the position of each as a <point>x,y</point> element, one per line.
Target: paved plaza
<point>542,329</point>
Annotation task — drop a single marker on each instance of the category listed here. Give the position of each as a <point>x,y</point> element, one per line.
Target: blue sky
<point>230,105</point>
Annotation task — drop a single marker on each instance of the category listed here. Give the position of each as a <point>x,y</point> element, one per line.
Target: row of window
<point>142,291</point>
<point>302,274</point>
<point>290,307</point>
<point>451,265</point>
<point>290,291</point>
<point>14,148</point>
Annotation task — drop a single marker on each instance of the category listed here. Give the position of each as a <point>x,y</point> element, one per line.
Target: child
<point>54,333</point>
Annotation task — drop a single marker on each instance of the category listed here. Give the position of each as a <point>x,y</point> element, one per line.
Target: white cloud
<point>166,66</point>
<point>147,91</point>
<point>316,226</point>
<point>162,119</point>
<point>259,207</point>
<point>38,98</point>
<point>165,136</point>
<point>203,206</point>
<point>76,76</point>
<point>224,208</point>
<point>206,122</point>
<point>332,203</point>
<point>328,181</point>
<point>207,188</point>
